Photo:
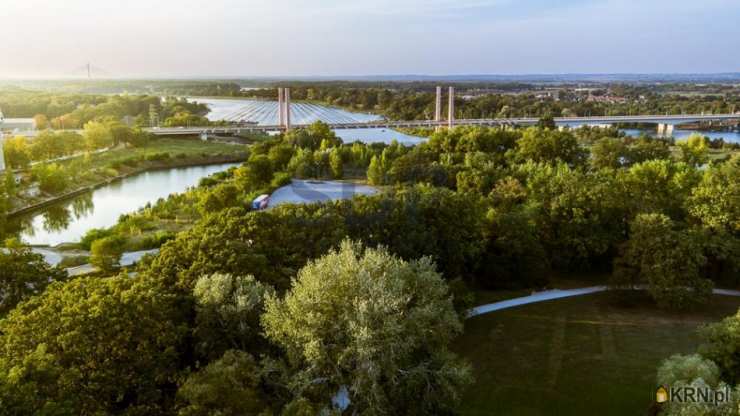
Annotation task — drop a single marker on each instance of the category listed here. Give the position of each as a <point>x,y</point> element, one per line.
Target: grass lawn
<point>182,147</point>
<point>577,356</point>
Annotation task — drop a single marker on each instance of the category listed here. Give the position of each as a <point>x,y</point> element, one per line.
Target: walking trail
<point>559,294</point>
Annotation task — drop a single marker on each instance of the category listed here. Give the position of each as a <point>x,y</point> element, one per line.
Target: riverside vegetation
<point>278,311</point>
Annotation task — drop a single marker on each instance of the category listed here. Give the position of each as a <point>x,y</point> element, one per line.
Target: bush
<point>105,253</point>
<point>157,157</point>
<point>281,179</point>
<point>94,234</point>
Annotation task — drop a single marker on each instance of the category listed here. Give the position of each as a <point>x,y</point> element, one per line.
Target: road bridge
<point>665,120</point>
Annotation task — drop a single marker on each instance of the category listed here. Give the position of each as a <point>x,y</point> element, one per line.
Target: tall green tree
<point>367,321</point>
<point>23,274</point>
<point>103,345</point>
<point>667,259</point>
<point>227,314</point>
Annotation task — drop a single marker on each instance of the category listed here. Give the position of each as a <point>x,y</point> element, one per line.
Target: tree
<point>51,177</point>
<point>229,386</point>
<point>335,164</point>
<point>221,196</point>
<point>270,245</point>
<point>721,344</point>
<point>377,172</point>
<point>547,122</point>
<point>609,152</point>
<point>381,329</point>
<point>256,173</point>
<point>687,368</point>
<point>550,146</point>
<point>97,135</point>
<point>715,202</point>
<point>694,371</point>
<point>41,121</point>
<point>102,346</point>
<point>667,259</point>
<point>694,149</point>
<point>227,314</point>
<point>23,274</point>
<point>646,148</point>
<point>105,253</point>
<point>17,152</point>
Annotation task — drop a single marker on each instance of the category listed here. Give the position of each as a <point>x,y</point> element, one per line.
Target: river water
<point>69,220</point>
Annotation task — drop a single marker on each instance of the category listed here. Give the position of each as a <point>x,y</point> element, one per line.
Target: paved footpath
<point>559,294</point>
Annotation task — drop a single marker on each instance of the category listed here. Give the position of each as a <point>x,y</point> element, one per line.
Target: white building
<point>14,125</point>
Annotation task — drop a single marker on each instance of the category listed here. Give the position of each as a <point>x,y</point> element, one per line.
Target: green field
<point>577,356</point>
<point>175,147</point>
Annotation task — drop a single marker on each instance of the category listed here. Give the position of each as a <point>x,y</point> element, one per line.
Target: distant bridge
<point>668,121</point>
<point>665,123</point>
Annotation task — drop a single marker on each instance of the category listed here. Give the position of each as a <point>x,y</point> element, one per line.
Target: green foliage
<point>256,173</point>
<point>695,371</point>
<point>220,197</point>
<point>542,145</point>
<point>722,346</point>
<point>94,234</point>
<point>715,202</point>
<point>313,137</point>
<point>94,346</point>
<point>105,253</point>
<point>227,314</point>
<point>336,165</point>
<point>514,256</point>
<point>579,215</point>
<point>391,354</point>
<point>229,386</point>
<point>668,260</point>
<point>23,274</point>
<point>17,152</point>
<point>377,172</point>
<point>687,368</point>
<point>658,186</point>
<point>52,178</point>
<point>270,245</point>
<point>646,148</point>
<point>694,150</point>
<point>609,152</point>
<point>97,135</point>
<point>422,221</point>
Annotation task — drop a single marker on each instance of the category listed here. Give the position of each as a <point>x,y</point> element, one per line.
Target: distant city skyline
<point>263,38</point>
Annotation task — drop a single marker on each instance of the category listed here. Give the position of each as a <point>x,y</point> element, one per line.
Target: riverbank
<point>116,165</point>
<point>203,161</point>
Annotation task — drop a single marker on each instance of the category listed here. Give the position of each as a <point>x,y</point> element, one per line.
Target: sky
<point>249,38</point>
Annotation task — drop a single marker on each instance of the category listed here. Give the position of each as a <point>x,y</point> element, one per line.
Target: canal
<point>69,220</point>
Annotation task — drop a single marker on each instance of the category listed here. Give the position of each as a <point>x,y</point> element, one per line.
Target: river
<point>69,220</point>
<point>728,136</point>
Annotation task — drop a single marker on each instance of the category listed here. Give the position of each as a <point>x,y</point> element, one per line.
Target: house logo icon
<point>661,395</point>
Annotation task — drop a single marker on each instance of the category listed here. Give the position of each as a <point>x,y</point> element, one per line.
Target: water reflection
<point>68,221</point>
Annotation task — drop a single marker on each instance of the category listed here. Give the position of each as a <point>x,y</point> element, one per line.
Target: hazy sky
<point>348,37</point>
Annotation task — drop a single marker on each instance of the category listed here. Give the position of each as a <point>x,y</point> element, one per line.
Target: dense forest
<point>236,315</point>
<point>72,111</point>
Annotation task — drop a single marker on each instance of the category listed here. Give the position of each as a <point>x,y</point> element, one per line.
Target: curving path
<point>558,294</point>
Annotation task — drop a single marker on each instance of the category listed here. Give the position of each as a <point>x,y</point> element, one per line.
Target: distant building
<point>14,125</point>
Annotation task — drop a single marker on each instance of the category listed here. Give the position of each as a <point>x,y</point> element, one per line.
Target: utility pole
<point>89,72</point>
